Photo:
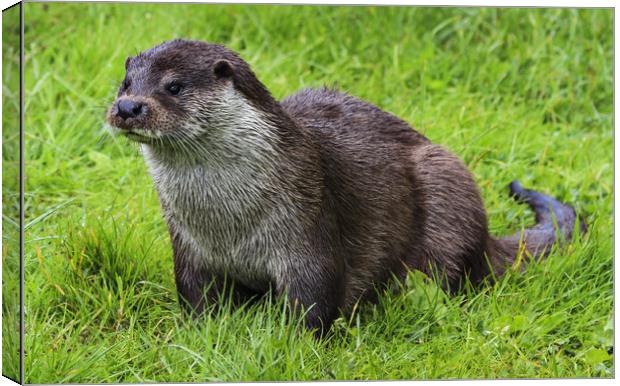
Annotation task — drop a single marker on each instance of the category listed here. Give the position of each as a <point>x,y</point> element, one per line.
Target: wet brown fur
<point>357,196</point>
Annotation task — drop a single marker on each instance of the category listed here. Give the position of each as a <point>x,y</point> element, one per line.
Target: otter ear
<point>223,69</point>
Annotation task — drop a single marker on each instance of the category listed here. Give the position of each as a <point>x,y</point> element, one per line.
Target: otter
<point>321,197</point>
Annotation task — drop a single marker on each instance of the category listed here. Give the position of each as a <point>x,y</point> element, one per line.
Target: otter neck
<point>232,129</point>
<point>263,151</point>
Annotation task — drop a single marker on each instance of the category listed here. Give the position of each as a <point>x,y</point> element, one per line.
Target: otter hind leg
<point>454,230</point>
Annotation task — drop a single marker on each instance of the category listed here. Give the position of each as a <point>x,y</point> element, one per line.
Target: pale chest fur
<point>228,213</point>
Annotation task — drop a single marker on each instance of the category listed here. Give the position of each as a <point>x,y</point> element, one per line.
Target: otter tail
<point>555,223</point>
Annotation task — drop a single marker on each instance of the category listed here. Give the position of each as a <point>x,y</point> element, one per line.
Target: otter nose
<point>128,108</point>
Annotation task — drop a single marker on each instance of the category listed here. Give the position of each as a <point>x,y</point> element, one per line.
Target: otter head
<point>182,90</point>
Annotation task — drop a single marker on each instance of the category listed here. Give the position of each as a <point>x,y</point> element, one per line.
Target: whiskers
<point>187,146</point>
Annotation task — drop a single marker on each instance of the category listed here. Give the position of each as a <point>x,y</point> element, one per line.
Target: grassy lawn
<point>516,93</point>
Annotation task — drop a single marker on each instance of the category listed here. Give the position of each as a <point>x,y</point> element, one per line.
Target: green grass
<point>517,93</point>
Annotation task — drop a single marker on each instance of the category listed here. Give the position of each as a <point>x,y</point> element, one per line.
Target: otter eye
<point>174,88</point>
